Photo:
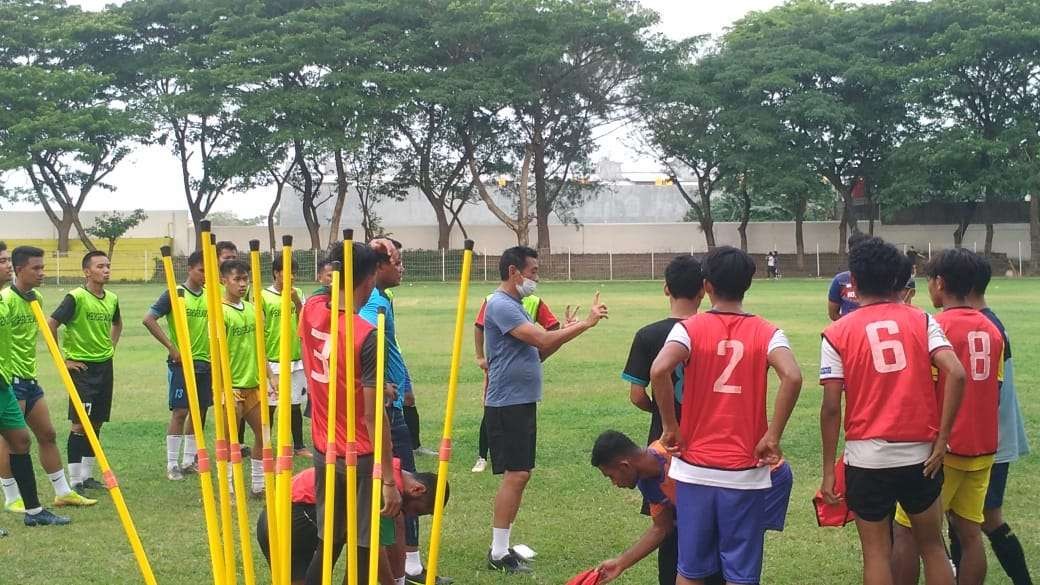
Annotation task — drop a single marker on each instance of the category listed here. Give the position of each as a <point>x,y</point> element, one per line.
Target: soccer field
<point>571,515</point>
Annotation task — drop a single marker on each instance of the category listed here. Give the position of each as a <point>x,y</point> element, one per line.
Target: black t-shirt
<point>646,344</point>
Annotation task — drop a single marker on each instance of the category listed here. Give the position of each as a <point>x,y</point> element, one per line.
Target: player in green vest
<point>180,430</point>
<point>240,326</point>
<point>93,325</point>
<point>15,462</point>
<point>271,303</point>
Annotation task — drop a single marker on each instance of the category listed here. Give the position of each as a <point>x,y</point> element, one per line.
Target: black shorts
<point>28,391</point>
<point>304,538</point>
<point>872,493</point>
<point>512,436</point>
<point>94,385</point>
<point>364,497</point>
<point>178,397</point>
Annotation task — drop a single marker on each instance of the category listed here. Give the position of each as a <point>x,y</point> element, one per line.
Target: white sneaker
<point>480,465</point>
<point>174,473</point>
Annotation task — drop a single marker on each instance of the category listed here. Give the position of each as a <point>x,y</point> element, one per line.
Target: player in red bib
<point>880,358</point>
<point>726,444</point>
<point>973,442</point>
<point>314,332</point>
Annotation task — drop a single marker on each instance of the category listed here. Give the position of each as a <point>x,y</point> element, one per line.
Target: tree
<point>114,225</point>
<point>519,219</point>
<point>230,218</point>
<point>369,167</point>
<point>64,124</point>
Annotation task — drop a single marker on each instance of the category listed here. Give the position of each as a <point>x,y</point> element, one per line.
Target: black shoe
<point>508,564</point>
<point>420,579</point>
<point>46,518</point>
<point>3,533</point>
<point>246,452</point>
<point>92,484</point>
<point>80,489</point>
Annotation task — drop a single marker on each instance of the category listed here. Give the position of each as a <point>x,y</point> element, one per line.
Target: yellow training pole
<point>377,450</point>
<point>180,326</point>
<point>285,448</point>
<point>330,433</point>
<point>265,411</point>
<point>351,397</point>
<point>235,455</point>
<point>95,444</point>
<point>215,312</point>
<point>449,414</point>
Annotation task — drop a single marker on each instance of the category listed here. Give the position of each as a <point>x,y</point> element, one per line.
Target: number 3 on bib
<point>882,350</point>
<point>738,352</point>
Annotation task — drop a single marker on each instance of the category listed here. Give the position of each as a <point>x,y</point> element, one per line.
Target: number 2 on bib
<point>880,350</point>
<point>738,352</point>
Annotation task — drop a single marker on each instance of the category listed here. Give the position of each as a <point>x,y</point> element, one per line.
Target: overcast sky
<point>150,177</point>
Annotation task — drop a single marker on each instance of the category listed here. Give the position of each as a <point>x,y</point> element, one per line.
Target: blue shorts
<point>720,528</point>
<point>28,391</point>
<point>777,498</point>
<point>178,398</point>
<point>998,475</point>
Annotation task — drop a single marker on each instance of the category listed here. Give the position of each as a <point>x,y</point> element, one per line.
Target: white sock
<point>499,543</point>
<point>413,563</point>
<point>258,473</point>
<point>11,492</point>
<point>74,473</point>
<point>398,580</point>
<point>86,470</point>
<point>59,483</point>
<point>190,449</point>
<point>173,450</point>
<point>34,511</point>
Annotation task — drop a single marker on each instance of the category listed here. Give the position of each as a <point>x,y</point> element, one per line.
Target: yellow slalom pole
<point>285,448</point>
<point>351,399</point>
<point>212,270</point>
<point>377,450</point>
<point>180,326</point>
<point>330,430</point>
<point>265,411</point>
<point>106,471</point>
<point>449,414</point>
<point>235,455</point>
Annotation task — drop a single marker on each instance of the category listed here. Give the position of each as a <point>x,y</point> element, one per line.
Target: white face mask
<point>527,288</point>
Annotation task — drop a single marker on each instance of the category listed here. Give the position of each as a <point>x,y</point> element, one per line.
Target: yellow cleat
<point>73,499</point>
<point>15,507</point>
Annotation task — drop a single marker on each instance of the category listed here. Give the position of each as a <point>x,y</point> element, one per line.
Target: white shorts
<point>297,384</point>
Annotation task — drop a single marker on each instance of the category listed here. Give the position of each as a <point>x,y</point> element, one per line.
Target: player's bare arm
<point>830,426</point>
<point>662,527</point>
<point>391,497</point>
<point>671,355</point>
<point>117,331</point>
<point>72,365</point>
<point>548,342</point>
<point>478,347</point>
<point>833,310</point>
<point>947,363</point>
<point>786,367</point>
<point>639,398</point>
<point>152,325</point>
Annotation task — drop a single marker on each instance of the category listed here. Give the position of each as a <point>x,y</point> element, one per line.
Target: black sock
<point>411,418</point>
<point>21,468</point>
<point>297,427</point>
<point>241,431</point>
<point>955,548</point>
<point>1008,551</point>
<point>88,450</point>
<point>75,450</point>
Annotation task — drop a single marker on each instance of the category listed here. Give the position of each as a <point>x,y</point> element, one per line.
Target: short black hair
<point>20,256</point>
<point>326,263</point>
<point>232,266</point>
<point>397,244</point>
<point>610,446</point>
<point>730,271</point>
<point>683,277</point>
<point>856,239</point>
<point>906,273</point>
<point>365,260</point>
<point>983,274</point>
<point>276,264</point>
<point>516,256</point>
<point>3,246</point>
<point>194,259</point>
<point>877,267</point>
<point>957,268</point>
<point>90,256</point>
<point>429,481</point>
<point>226,245</point>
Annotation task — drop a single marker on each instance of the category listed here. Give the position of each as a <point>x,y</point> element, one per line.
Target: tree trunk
<point>1034,233</point>
<point>988,251</point>
<point>341,197</point>
<point>799,234</point>
<point>704,189</point>
<point>843,235</point>
<point>310,213</point>
<point>745,212</point>
<point>543,206</point>
<point>270,215</point>
<point>64,227</point>
<point>443,229</point>
<point>196,220</point>
<point>82,233</point>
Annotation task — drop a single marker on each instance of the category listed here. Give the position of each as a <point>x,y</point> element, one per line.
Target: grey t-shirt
<point>514,368</point>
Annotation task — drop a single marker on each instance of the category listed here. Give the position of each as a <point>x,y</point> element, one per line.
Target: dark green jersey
<point>240,325</point>
<point>198,324</point>
<point>88,321</point>
<point>20,359</point>
<point>272,306</point>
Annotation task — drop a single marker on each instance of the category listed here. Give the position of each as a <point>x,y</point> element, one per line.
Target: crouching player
<point>727,444</point>
<point>629,466</point>
<point>418,493</point>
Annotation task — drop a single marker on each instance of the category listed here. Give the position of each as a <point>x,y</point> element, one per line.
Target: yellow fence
<point>133,259</point>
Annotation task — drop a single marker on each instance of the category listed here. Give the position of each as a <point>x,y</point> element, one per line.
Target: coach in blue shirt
<point>515,349</point>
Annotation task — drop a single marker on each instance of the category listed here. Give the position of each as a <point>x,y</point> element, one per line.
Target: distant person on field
<point>271,304</point>
<point>93,325</point>
<point>324,277</point>
<point>842,299</point>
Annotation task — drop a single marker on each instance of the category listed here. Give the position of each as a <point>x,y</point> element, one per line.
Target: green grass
<point>571,514</point>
